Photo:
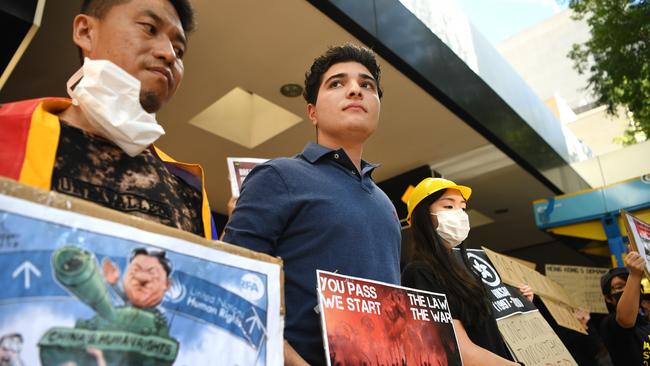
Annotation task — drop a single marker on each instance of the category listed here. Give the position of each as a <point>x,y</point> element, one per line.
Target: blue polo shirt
<point>316,211</point>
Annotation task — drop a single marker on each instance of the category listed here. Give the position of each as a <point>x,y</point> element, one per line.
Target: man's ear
<point>311,114</point>
<point>169,283</point>
<point>84,32</point>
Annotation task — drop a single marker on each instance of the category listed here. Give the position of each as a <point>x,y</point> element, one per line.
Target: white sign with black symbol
<point>506,300</point>
<point>483,267</point>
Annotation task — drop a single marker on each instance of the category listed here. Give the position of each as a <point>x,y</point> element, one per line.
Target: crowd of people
<point>319,209</point>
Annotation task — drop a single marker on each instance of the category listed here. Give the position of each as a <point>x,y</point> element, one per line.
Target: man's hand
<point>232,202</point>
<point>291,357</point>
<point>111,273</point>
<point>527,292</point>
<point>583,316</point>
<point>627,308</point>
<point>635,263</point>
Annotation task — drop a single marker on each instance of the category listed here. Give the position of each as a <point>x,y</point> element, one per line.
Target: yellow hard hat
<point>645,286</point>
<point>429,186</point>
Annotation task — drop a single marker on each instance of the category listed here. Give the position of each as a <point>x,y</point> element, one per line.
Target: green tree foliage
<point>617,57</point>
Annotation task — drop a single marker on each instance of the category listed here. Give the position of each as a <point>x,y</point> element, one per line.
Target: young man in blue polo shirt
<point>321,209</point>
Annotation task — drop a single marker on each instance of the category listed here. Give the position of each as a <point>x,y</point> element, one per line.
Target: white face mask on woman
<point>453,226</point>
<point>109,97</point>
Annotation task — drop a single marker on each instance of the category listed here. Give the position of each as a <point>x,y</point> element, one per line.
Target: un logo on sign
<point>176,292</point>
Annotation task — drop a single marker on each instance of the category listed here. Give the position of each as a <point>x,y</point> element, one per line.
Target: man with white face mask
<point>98,146</point>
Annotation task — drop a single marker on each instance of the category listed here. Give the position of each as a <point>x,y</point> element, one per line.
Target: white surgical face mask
<point>453,226</point>
<point>109,97</point>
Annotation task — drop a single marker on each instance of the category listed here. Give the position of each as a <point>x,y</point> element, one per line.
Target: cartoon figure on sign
<point>145,281</point>
<point>135,333</point>
<point>10,347</point>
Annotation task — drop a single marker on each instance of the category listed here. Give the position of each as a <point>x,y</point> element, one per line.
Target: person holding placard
<point>321,209</point>
<point>625,332</point>
<point>436,212</point>
<point>645,298</point>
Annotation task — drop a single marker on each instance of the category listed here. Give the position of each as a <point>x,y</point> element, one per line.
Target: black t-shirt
<point>626,346</point>
<point>96,170</point>
<point>486,335</point>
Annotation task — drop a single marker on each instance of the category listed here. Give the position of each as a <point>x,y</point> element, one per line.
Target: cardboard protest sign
<point>238,169</point>
<point>83,285</point>
<point>505,299</point>
<point>527,337</point>
<point>529,264</point>
<point>638,232</point>
<point>515,274</point>
<point>563,314</point>
<point>583,283</point>
<point>533,341</point>
<point>373,323</point>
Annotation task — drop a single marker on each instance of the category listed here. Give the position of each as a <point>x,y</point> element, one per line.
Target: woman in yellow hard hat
<point>436,212</point>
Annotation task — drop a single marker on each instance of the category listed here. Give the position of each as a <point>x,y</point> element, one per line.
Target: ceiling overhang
<point>259,51</point>
<point>407,43</point>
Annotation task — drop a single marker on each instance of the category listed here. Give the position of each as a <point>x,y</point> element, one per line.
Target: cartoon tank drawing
<point>116,335</point>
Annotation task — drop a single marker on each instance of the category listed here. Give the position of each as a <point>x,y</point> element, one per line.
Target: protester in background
<point>98,146</point>
<point>436,212</point>
<point>586,349</point>
<point>624,331</point>
<point>645,298</point>
<point>321,209</point>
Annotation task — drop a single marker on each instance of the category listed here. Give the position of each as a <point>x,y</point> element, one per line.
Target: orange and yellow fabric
<point>29,138</point>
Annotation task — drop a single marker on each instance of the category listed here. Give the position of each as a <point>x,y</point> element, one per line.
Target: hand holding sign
<point>635,262</point>
<point>638,232</point>
<point>527,291</point>
<point>230,207</point>
<point>583,316</point>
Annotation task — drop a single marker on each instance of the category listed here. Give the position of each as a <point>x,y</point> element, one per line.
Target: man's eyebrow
<point>367,77</point>
<point>151,14</point>
<point>336,76</point>
<point>344,74</point>
<point>179,36</point>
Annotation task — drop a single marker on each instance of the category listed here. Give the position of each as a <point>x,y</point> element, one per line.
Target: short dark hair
<point>347,52</point>
<point>606,279</point>
<point>159,254</point>
<point>99,8</point>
